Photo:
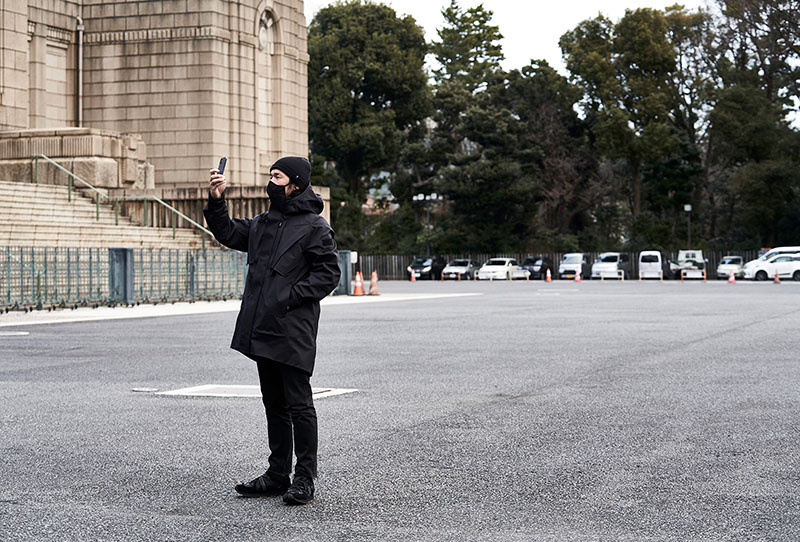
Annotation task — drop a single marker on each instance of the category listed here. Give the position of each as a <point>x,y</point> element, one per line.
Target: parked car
<point>459,269</point>
<point>651,265</point>
<point>429,267</point>
<point>767,255</point>
<point>538,266</point>
<point>498,269</point>
<point>787,266</point>
<point>730,264</point>
<point>574,263</point>
<point>691,261</point>
<point>609,264</point>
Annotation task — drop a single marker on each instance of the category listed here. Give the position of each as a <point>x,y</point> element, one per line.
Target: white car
<point>651,265</point>
<point>609,264</point>
<point>777,251</point>
<point>787,266</point>
<point>574,263</point>
<point>498,269</point>
<point>728,265</point>
<point>459,269</point>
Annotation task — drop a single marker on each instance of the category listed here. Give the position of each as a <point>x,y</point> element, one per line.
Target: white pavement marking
<point>14,333</point>
<point>87,314</point>
<point>548,290</point>
<point>241,390</point>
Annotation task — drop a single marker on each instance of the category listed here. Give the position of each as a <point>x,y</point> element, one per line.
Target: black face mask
<point>277,196</point>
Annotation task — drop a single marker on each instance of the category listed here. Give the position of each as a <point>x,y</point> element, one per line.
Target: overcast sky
<point>530,28</point>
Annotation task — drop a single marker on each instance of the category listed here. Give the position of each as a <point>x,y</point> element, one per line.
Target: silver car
<point>459,270</point>
<point>730,264</point>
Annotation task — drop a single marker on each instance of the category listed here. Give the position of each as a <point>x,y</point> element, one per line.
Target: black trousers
<point>291,418</point>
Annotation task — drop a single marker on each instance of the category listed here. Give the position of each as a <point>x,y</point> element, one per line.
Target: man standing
<point>293,264</point>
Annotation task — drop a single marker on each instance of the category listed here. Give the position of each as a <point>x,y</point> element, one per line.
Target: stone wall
<point>101,158</point>
<point>197,79</point>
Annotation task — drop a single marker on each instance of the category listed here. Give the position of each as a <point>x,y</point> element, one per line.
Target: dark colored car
<point>429,267</point>
<point>537,266</point>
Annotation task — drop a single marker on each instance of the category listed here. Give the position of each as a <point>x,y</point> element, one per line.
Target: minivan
<point>609,265</point>
<point>574,263</point>
<point>748,267</point>
<point>651,265</point>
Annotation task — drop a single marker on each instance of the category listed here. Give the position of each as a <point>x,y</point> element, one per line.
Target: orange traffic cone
<point>777,278</point>
<point>373,283</point>
<point>578,277</point>
<point>412,277</point>
<point>731,278</point>
<point>359,287</point>
<point>548,277</point>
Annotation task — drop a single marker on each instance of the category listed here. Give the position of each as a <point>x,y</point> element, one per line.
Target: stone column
<point>13,65</point>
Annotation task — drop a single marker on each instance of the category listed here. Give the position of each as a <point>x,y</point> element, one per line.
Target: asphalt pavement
<point>522,411</point>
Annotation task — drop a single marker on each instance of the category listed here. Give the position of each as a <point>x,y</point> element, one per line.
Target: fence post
<point>90,274</point>
<point>46,274</point>
<point>8,274</point>
<point>38,291</point>
<point>21,278</point>
<point>120,275</point>
<point>55,273</point>
<point>78,274</point>
<point>69,274</point>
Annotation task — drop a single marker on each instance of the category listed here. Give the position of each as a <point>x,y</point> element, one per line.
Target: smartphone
<point>221,166</point>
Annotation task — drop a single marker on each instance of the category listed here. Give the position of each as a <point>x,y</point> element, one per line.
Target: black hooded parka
<point>293,264</point>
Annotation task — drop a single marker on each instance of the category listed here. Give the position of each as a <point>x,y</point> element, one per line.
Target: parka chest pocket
<point>291,263</point>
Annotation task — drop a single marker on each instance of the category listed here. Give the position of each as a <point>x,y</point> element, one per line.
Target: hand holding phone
<point>218,184</point>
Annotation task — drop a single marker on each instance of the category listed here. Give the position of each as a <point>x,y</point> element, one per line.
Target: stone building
<point>145,95</point>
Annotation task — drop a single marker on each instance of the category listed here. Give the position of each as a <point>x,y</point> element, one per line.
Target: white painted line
<point>242,390</point>
<point>87,314</point>
<point>548,290</point>
<point>14,333</point>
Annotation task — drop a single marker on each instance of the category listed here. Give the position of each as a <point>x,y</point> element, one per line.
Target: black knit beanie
<point>297,168</point>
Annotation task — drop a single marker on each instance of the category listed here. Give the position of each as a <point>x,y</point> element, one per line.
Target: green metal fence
<point>69,277</point>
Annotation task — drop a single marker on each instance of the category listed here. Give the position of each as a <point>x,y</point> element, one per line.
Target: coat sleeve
<point>231,233</point>
<point>324,268</point>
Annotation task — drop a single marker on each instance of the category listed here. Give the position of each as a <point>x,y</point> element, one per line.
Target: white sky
<point>530,28</point>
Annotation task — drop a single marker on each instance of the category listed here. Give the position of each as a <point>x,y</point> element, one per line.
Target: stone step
<point>42,216</point>
<point>63,216</point>
<point>64,240</point>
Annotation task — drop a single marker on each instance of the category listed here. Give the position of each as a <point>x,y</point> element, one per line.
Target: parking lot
<point>509,411</point>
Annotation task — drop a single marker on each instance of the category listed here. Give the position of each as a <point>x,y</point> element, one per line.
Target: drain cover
<point>240,390</point>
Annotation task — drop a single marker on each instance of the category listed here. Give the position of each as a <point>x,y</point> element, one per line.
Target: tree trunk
<point>637,189</point>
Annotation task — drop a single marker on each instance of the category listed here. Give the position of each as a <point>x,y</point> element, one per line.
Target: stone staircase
<point>41,215</point>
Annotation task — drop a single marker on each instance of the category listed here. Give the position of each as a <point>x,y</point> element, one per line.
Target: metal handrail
<point>115,199</point>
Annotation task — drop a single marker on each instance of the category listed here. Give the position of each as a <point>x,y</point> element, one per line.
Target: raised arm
<point>231,233</point>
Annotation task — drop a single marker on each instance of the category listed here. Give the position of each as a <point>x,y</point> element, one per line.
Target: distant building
<point>146,95</point>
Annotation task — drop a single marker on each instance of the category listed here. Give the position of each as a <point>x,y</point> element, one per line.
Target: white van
<point>749,267</point>
<point>651,265</point>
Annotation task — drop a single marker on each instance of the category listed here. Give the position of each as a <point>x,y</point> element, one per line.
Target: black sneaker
<point>264,486</point>
<point>300,492</point>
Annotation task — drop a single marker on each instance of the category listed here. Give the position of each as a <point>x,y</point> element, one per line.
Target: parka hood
<point>305,202</point>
